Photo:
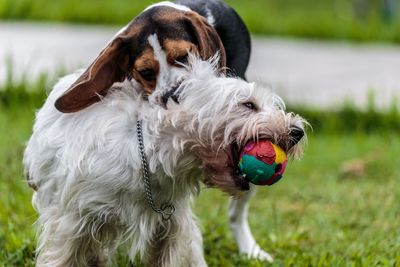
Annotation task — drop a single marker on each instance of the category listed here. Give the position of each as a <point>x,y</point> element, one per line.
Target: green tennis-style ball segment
<point>262,162</point>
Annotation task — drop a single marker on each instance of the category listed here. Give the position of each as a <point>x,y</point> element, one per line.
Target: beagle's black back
<point>231,29</point>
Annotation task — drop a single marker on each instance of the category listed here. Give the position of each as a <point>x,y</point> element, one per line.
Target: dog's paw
<point>259,254</point>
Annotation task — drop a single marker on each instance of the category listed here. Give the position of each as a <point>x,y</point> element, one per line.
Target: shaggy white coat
<point>86,169</point>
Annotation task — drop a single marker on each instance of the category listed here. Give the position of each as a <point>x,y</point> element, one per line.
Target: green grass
<point>17,105</point>
<point>321,214</point>
<point>16,214</point>
<point>301,18</point>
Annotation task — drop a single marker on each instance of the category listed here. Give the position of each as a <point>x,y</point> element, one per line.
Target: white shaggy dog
<point>87,170</point>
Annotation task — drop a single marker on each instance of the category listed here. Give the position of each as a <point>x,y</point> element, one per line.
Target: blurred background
<point>335,62</point>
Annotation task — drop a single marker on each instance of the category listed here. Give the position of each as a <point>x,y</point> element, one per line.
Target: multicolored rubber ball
<point>262,162</point>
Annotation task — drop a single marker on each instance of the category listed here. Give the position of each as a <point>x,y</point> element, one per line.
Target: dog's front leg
<point>177,243</point>
<point>65,240</point>
<point>238,213</point>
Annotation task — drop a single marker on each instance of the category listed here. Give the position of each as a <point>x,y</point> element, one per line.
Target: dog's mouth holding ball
<point>225,168</point>
<point>222,170</point>
<point>242,178</point>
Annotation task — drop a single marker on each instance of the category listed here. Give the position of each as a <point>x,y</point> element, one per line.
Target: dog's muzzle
<point>296,134</point>
<point>173,94</point>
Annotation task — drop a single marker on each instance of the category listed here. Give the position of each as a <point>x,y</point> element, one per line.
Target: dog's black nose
<point>171,94</point>
<point>296,133</point>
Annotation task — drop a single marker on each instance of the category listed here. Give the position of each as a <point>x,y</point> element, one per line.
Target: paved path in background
<point>321,74</point>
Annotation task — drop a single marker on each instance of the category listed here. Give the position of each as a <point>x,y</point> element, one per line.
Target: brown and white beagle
<point>153,46</point>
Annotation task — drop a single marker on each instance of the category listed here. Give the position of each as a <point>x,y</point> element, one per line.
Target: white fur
<point>169,4</point>
<point>238,221</point>
<point>210,17</point>
<point>87,170</point>
<point>168,76</point>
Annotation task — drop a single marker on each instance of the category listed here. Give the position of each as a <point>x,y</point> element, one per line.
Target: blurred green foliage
<point>343,119</point>
<point>350,119</point>
<point>360,20</point>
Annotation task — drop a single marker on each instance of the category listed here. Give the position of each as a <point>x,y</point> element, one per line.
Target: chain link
<point>166,209</point>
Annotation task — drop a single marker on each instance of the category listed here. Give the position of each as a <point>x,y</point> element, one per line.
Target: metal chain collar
<point>166,209</point>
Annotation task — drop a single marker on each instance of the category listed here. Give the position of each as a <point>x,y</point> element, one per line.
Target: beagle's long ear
<point>109,67</point>
<point>208,39</point>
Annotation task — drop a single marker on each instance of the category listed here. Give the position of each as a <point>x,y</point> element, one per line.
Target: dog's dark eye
<point>182,59</point>
<point>250,105</point>
<point>148,74</point>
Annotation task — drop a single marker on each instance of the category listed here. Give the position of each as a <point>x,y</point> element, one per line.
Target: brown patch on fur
<point>177,49</point>
<point>146,61</point>
<point>208,41</point>
<point>208,38</point>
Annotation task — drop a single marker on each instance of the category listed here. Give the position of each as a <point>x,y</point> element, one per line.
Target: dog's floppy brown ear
<point>110,66</point>
<point>208,39</point>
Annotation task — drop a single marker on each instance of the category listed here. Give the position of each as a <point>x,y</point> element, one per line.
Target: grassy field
<point>335,19</point>
<point>338,206</point>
